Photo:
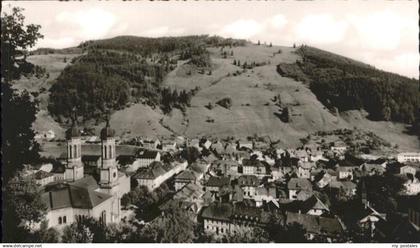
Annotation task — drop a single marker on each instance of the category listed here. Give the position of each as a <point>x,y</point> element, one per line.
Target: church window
<point>110,152</point>
<point>102,219</point>
<point>64,219</point>
<point>74,151</point>
<point>70,151</point>
<point>115,174</point>
<point>105,152</point>
<point>60,221</point>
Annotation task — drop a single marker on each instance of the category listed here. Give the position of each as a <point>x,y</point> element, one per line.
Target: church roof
<point>73,196</point>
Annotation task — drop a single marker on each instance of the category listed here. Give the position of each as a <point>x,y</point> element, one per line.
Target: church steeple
<point>74,168</point>
<point>108,169</point>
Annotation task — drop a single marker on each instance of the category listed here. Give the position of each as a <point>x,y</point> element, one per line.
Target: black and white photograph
<point>210,122</point>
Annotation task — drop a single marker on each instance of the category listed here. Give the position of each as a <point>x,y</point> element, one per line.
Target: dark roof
<point>217,181</point>
<point>185,175</point>
<point>315,224</point>
<point>67,195</point>
<point>155,170</point>
<point>218,211</point>
<point>299,184</point>
<point>58,168</point>
<point>229,212</point>
<point>88,182</point>
<point>248,180</point>
<point>90,158</point>
<point>313,202</point>
<point>347,163</point>
<point>252,162</point>
<point>126,159</point>
<point>146,154</point>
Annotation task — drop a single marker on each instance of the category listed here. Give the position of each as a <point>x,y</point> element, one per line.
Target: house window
<point>60,221</point>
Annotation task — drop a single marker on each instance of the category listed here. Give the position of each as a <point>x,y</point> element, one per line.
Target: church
<point>80,195</point>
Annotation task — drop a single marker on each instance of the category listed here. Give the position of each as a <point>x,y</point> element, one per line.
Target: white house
<point>168,145</point>
<point>408,169</point>
<point>245,144</point>
<point>408,157</point>
<point>145,157</point>
<point>345,172</point>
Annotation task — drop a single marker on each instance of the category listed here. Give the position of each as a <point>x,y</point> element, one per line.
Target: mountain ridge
<point>253,110</point>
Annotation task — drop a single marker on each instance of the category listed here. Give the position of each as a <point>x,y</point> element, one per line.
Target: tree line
<point>347,84</point>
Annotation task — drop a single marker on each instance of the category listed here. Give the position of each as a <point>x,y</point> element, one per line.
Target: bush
<point>225,102</point>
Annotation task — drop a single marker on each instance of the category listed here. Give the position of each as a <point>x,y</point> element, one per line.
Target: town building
<point>249,184</point>
<point>43,178</point>
<point>183,179</point>
<point>254,167</point>
<point>298,185</point>
<point>408,157</point>
<point>221,219</point>
<point>144,158</point>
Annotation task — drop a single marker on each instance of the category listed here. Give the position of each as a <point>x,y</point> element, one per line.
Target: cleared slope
<point>54,65</point>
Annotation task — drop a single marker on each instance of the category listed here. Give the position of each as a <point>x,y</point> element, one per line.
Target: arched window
<point>64,219</point>
<point>105,152</point>
<point>70,153</point>
<point>60,221</point>
<point>110,152</point>
<point>102,219</point>
<point>115,174</point>
<point>75,151</point>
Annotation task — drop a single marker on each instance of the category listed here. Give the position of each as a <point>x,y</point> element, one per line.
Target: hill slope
<point>259,97</point>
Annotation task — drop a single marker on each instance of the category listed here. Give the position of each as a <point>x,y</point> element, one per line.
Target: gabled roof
<point>185,175</point>
<point>313,202</point>
<point>252,162</point>
<point>147,154</point>
<point>155,170</point>
<point>189,191</point>
<point>218,211</point>
<point>217,181</point>
<point>88,182</point>
<point>299,184</point>
<point>315,224</point>
<point>71,196</point>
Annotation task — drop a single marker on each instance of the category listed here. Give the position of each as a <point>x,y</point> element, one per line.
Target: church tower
<point>108,170</point>
<point>74,167</point>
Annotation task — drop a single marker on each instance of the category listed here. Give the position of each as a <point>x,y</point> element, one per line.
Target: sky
<point>378,32</point>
